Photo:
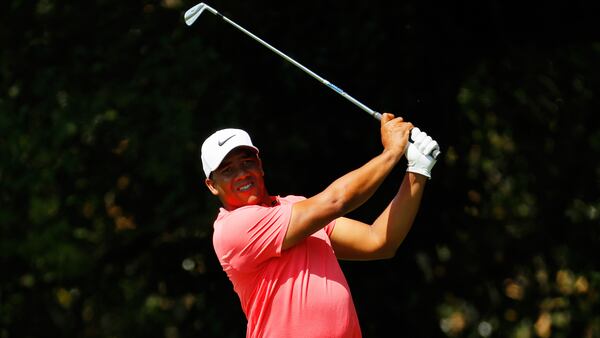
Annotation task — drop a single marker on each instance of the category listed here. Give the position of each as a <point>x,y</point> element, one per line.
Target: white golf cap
<point>218,145</point>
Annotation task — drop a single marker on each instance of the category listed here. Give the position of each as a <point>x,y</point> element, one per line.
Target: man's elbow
<point>387,252</point>
<point>383,247</point>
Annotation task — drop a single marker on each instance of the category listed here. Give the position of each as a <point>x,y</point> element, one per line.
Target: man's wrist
<point>420,171</point>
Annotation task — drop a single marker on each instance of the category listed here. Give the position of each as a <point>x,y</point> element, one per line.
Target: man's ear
<point>211,186</point>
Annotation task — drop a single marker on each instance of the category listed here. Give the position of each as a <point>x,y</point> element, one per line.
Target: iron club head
<point>193,13</point>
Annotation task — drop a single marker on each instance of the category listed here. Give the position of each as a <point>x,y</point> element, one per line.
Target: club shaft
<point>306,70</point>
<point>333,87</point>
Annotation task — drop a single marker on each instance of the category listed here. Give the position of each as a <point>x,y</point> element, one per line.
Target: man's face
<point>239,180</point>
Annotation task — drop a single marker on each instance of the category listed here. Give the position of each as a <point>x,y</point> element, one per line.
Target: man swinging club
<point>281,252</point>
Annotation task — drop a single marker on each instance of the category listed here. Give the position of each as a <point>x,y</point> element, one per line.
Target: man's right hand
<point>395,133</point>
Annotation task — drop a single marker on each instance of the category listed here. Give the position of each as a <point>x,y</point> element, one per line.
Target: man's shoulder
<point>292,198</point>
<point>248,210</point>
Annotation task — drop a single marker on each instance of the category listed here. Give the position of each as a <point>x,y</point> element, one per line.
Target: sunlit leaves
<point>105,224</point>
<point>519,167</point>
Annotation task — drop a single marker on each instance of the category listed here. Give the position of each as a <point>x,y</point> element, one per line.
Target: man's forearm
<point>340,197</point>
<point>395,221</point>
<point>356,187</point>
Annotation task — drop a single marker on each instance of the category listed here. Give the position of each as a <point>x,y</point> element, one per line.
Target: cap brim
<point>217,162</point>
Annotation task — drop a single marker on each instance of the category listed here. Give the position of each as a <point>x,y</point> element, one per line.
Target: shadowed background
<point>106,224</point>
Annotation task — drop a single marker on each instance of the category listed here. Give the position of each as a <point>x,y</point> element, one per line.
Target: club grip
<point>434,154</point>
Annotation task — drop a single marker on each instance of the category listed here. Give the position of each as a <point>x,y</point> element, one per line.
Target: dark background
<point>106,224</point>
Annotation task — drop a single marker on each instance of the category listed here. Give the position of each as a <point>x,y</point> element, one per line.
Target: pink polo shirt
<point>299,292</point>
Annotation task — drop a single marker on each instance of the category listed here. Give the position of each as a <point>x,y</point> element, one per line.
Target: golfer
<point>281,252</point>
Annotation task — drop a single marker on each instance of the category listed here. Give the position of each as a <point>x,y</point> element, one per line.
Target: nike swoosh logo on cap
<point>221,143</point>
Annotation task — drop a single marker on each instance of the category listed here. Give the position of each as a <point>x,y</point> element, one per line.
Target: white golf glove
<point>419,153</point>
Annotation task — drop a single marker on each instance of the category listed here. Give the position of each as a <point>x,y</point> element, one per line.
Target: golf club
<point>194,12</point>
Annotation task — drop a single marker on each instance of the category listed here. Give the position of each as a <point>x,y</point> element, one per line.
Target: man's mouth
<point>245,187</point>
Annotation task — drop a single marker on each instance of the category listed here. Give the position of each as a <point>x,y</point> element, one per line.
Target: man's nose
<point>240,172</point>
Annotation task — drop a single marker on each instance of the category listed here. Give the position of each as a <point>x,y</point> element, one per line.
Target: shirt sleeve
<point>329,227</point>
<point>250,235</point>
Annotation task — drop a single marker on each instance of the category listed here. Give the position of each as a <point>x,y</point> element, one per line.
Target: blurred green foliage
<point>105,226</point>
